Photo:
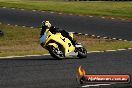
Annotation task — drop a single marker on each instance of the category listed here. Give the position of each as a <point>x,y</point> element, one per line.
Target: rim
<point>58,52</point>
<point>82,50</point>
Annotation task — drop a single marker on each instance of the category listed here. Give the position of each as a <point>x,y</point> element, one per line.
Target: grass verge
<point>94,44</point>
<point>116,9</point>
<point>25,41</point>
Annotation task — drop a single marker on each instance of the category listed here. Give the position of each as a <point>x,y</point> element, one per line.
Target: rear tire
<point>53,52</point>
<point>82,52</point>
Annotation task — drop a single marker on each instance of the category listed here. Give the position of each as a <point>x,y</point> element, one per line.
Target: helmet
<point>46,23</point>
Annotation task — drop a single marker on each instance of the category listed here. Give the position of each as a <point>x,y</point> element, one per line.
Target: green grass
<point>20,41</point>
<point>25,41</point>
<point>116,9</point>
<point>94,44</point>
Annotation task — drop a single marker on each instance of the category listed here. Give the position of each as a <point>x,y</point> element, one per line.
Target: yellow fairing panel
<point>63,41</point>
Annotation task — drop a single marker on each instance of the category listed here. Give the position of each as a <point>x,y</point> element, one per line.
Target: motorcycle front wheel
<point>56,52</point>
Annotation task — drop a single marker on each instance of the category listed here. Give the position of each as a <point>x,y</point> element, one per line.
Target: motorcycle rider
<point>52,29</point>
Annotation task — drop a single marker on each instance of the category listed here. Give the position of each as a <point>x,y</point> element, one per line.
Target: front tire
<point>82,52</point>
<point>54,52</point>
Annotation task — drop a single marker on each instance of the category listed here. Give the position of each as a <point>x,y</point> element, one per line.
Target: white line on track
<point>31,27</point>
<point>105,37</point>
<point>34,10</point>
<point>42,11</point>
<point>121,49</point>
<point>129,48</point>
<point>59,13</point>
<point>86,34</point>
<point>95,51</point>
<point>98,36</point>
<point>8,24</point>
<point>125,40</point>
<point>32,55</point>
<point>11,57</point>
<point>24,26</point>
<point>52,12</point>
<point>103,17</point>
<point>114,38</point>
<point>110,50</point>
<point>120,39</point>
<point>3,7</point>
<point>8,57</point>
<point>21,9</point>
<point>112,18</point>
<point>90,16</point>
<point>16,25</point>
<point>13,8</point>
<point>93,85</point>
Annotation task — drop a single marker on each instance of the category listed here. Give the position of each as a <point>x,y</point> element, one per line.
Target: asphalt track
<point>83,24</point>
<point>46,72</point>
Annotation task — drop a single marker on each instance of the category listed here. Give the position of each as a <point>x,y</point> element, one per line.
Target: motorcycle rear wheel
<point>82,52</point>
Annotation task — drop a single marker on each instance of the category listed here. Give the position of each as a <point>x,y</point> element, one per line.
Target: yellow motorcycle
<point>61,47</point>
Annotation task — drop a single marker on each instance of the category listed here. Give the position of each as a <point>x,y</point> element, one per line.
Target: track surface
<point>84,24</point>
<point>46,72</point>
